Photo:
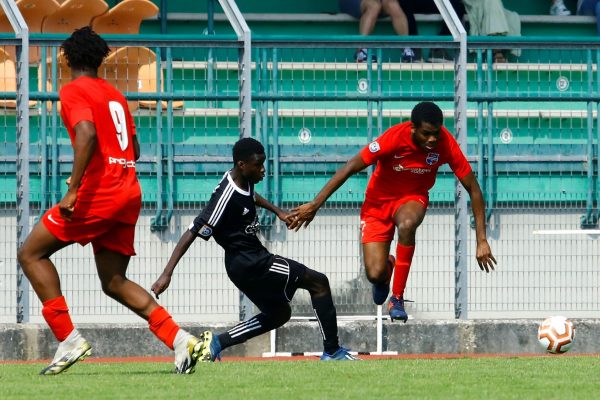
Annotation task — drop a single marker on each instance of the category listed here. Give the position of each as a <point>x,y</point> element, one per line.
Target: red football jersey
<point>109,187</point>
<point>403,168</point>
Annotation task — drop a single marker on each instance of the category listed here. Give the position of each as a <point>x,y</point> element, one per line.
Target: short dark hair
<point>245,148</point>
<point>427,111</point>
<point>85,49</point>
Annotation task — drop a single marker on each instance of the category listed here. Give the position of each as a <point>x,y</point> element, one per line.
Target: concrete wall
<point>35,341</point>
<point>537,275</point>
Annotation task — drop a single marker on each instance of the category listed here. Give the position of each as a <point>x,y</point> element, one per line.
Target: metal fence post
<point>21,31</point>
<point>245,71</point>
<point>461,214</point>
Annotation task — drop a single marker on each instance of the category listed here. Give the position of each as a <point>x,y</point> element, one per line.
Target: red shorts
<point>377,217</point>
<point>104,234</point>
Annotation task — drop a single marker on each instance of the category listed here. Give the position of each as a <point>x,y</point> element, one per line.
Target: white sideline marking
<point>319,353</point>
<point>567,232</point>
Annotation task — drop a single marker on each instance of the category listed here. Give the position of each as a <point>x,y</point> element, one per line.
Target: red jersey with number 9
<point>109,187</point>
<point>403,168</point>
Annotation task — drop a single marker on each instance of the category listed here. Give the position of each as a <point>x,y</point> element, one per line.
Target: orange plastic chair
<point>73,14</point>
<point>34,12</point>
<point>133,69</point>
<point>8,78</point>
<point>125,17</point>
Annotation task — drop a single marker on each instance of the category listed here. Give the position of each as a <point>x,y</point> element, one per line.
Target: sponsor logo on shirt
<point>253,228</point>
<point>205,231</point>
<point>419,171</point>
<point>245,211</point>
<point>374,147</point>
<point>122,161</point>
<point>432,158</point>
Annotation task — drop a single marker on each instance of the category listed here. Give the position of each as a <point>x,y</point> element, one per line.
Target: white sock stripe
<point>220,207</point>
<point>244,325</point>
<point>245,331</point>
<point>319,322</point>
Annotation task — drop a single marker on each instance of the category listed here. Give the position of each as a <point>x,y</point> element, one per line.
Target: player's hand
<point>68,181</point>
<point>67,205</point>
<point>302,216</point>
<point>284,217</point>
<point>161,284</point>
<point>485,258</point>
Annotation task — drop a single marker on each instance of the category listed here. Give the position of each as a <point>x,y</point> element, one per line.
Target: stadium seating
<point>125,17</point>
<point>34,12</point>
<point>539,133</point>
<point>8,80</point>
<point>73,14</point>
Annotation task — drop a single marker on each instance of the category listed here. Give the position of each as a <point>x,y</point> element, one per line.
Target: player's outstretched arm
<point>304,214</point>
<point>163,281</point>
<point>267,205</point>
<point>484,255</point>
<point>84,146</point>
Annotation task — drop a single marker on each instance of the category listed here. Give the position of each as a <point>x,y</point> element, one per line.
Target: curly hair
<point>85,49</point>
<point>427,111</point>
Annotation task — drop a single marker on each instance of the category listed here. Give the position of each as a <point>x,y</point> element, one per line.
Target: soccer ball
<point>556,334</point>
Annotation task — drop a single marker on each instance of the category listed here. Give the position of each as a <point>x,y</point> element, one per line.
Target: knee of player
<point>407,225</point>
<point>321,281</point>
<point>24,257</point>
<point>111,287</point>
<point>375,275</point>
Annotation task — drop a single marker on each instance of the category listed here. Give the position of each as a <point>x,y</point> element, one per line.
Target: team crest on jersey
<point>374,147</point>
<point>205,231</point>
<point>432,158</point>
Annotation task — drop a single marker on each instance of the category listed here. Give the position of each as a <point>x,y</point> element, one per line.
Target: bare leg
<point>399,21</point>
<point>112,268</point>
<point>375,256</point>
<point>369,11</point>
<point>407,219</point>
<point>34,258</point>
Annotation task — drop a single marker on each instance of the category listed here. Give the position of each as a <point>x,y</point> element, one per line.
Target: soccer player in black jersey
<point>268,280</point>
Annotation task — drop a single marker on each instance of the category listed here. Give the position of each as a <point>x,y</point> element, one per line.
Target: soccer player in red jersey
<point>407,157</point>
<point>101,207</point>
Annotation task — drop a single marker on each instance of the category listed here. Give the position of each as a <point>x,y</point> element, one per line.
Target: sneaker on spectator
<point>408,55</point>
<point>362,56</point>
<point>558,8</point>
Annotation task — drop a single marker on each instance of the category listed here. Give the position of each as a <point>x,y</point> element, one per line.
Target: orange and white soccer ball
<point>556,334</point>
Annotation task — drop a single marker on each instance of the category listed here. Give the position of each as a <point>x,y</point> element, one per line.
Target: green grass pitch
<point>560,377</point>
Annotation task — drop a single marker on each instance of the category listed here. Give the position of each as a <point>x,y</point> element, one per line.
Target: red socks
<point>404,255</point>
<point>56,314</point>
<point>162,325</point>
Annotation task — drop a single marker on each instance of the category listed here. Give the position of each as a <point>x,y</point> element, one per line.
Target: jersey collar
<point>236,187</point>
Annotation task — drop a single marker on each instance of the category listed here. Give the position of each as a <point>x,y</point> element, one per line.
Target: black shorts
<point>275,286</point>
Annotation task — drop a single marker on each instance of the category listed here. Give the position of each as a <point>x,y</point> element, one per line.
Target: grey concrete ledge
<point>35,341</point>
